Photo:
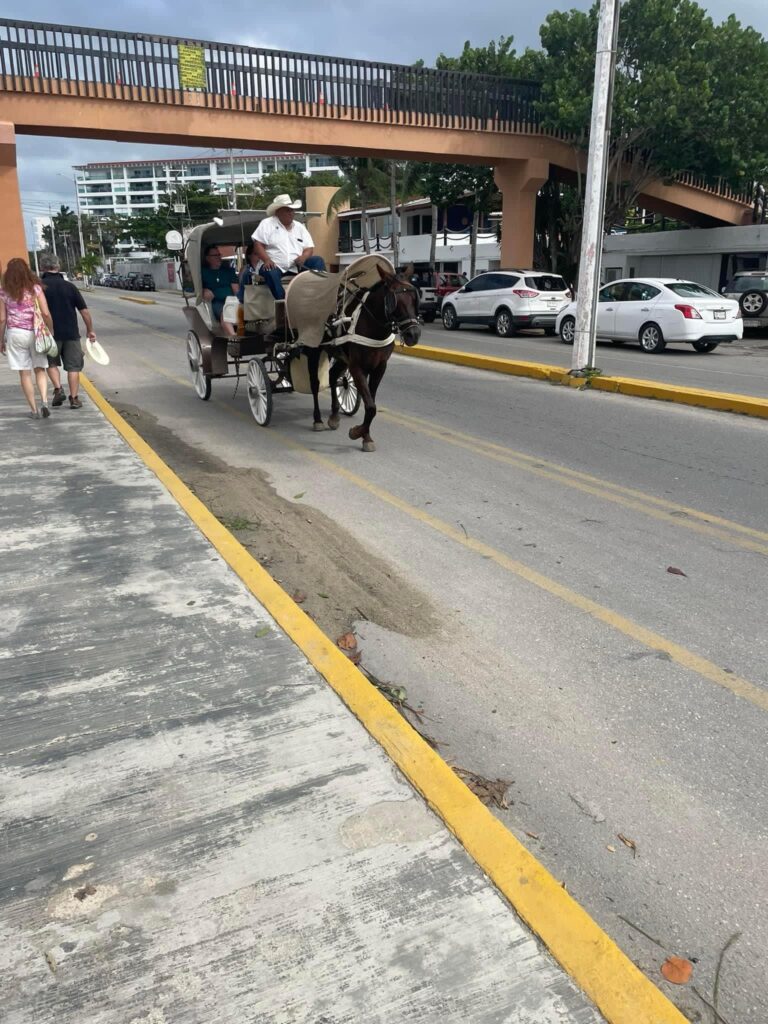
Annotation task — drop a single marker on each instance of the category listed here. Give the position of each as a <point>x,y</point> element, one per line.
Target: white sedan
<point>657,310</point>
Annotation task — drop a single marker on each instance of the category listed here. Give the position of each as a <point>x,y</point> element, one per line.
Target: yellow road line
<point>622,993</point>
<point>688,660</point>
<point>721,401</point>
<point>599,489</point>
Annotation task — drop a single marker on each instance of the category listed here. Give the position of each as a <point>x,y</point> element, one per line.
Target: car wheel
<point>504,324</point>
<point>450,320</point>
<point>753,304</point>
<point>568,330</point>
<point>705,346</point>
<point>651,339</point>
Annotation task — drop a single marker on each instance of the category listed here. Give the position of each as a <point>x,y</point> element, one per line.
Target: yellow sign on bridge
<point>191,67</point>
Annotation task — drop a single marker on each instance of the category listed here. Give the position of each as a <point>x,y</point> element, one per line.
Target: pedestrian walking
<point>22,300</point>
<point>64,302</point>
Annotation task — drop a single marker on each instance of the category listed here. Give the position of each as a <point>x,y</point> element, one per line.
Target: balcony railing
<point>87,62</point>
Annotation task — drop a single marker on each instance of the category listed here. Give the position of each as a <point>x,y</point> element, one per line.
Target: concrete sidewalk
<point>195,828</point>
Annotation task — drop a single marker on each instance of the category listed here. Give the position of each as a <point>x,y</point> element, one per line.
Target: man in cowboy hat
<point>282,244</point>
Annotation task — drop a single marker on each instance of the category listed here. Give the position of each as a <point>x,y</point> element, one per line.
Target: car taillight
<point>689,312</point>
<point>524,293</point>
<point>569,295</point>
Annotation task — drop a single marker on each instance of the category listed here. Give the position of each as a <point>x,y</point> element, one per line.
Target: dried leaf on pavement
<point>299,596</point>
<point>677,970</point>
<point>347,642</point>
<point>676,572</point>
<point>490,791</point>
<point>628,842</point>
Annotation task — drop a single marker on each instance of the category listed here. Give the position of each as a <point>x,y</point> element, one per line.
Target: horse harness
<point>348,323</point>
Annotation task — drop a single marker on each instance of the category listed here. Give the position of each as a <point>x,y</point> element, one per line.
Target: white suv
<point>750,289</point>
<point>507,300</point>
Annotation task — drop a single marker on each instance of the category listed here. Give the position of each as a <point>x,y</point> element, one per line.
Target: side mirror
<point>723,291</point>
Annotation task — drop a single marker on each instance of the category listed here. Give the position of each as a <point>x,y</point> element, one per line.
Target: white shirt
<point>284,245</point>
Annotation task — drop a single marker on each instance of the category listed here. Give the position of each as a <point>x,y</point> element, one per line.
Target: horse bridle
<point>390,306</point>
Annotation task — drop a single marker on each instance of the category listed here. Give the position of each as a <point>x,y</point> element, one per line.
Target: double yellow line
<point>637,501</point>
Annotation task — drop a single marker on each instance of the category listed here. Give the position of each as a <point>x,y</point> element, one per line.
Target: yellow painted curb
<point>143,302</point>
<point>721,401</point>
<point>622,993</point>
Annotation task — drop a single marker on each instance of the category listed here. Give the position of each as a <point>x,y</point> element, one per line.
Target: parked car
<point>659,310</point>
<point>131,281</point>
<point>750,289</point>
<point>144,283</point>
<point>508,301</point>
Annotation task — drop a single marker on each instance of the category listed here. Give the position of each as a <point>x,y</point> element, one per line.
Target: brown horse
<point>390,306</point>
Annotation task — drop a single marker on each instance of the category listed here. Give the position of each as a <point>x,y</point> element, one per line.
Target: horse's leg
<point>333,378</point>
<point>374,379</point>
<point>360,377</point>
<point>313,359</point>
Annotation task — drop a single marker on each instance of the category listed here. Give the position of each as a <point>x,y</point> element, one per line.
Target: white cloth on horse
<point>283,244</point>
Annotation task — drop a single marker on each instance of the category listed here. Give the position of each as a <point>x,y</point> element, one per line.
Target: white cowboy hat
<point>280,201</point>
<point>96,352</point>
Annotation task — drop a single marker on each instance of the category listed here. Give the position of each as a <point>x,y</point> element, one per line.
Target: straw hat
<point>281,201</point>
<point>96,351</point>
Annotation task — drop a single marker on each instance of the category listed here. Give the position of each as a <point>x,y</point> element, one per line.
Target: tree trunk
<point>473,244</point>
<point>433,239</point>
<point>364,224</point>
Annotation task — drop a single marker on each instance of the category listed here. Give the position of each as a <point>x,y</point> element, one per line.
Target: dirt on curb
<point>336,579</point>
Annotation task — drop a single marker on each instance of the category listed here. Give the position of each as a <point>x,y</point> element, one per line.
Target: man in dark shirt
<point>64,301</point>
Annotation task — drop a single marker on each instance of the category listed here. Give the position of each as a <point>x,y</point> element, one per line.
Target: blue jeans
<point>274,277</point>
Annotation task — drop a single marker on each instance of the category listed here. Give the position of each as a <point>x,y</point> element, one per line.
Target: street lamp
<point>597,174</point>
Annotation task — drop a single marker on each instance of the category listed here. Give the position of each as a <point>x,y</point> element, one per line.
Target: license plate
<point>719,314</point>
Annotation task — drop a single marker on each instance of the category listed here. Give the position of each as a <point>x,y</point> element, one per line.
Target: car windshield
<point>691,290</point>
<point>547,283</point>
<point>745,284</point>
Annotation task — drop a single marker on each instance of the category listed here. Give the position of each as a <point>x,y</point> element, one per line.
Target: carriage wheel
<point>259,392</point>
<point>201,381</point>
<point>347,393</point>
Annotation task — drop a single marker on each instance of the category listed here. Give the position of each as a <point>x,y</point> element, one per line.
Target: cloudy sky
<point>368,29</point>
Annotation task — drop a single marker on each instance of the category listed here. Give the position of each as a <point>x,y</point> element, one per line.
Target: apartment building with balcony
<point>141,186</point>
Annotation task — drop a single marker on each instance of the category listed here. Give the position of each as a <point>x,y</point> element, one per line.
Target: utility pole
<point>53,231</point>
<point>597,173</point>
<point>232,178</point>
<point>34,243</point>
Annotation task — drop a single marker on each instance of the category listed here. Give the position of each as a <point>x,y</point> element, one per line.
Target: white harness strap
<point>350,333</point>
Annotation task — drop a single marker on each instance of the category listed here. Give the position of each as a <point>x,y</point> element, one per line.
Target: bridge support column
<point>13,241</point>
<point>519,182</point>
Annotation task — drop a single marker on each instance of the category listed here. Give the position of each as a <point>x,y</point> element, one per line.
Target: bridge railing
<point>66,60</point>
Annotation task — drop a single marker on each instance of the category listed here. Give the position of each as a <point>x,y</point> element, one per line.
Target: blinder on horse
<point>391,303</point>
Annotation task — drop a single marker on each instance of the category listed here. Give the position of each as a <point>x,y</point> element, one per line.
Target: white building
<point>452,252</point>
<point>38,223</point>
<point>141,186</point>
<point>710,256</point>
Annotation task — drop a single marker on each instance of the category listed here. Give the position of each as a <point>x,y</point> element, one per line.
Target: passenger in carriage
<point>250,271</point>
<point>219,284</point>
<point>283,245</point>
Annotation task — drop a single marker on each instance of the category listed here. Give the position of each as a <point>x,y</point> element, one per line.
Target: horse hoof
<point>333,423</point>
<point>355,433</point>
<point>369,446</point>
<point>318,426</point>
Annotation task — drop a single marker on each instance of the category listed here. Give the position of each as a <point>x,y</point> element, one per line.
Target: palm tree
<point>366,180</point>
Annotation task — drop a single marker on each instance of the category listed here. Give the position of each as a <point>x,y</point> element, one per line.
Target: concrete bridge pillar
<point>519,182</point>
<point>13,241</point>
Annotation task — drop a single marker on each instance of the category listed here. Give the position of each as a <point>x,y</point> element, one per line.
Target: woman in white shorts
<point>19,292</point>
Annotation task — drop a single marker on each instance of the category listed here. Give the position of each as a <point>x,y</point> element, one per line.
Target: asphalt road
<point>623,700</point>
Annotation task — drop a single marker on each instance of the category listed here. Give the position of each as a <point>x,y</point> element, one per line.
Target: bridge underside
<point>522,162</point>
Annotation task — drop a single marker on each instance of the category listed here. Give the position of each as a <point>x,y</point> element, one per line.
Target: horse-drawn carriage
<point>307,342</point>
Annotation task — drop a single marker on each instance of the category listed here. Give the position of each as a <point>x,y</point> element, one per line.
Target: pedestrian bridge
<point>98,84</point>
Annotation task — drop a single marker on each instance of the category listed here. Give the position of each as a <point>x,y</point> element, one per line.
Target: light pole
<point>597,173</point>
<point>53,231</point>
